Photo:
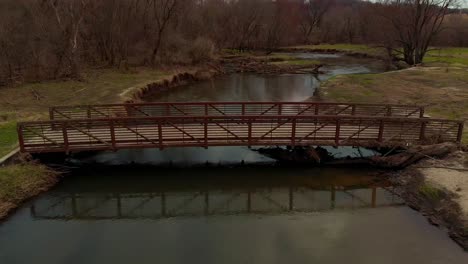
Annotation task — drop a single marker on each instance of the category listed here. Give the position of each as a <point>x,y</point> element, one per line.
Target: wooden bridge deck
<point>269,124</point>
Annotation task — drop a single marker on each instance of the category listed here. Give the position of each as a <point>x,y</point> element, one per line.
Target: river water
<point>201,206</point>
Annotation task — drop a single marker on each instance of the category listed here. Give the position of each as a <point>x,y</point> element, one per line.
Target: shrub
<point>202,50</point>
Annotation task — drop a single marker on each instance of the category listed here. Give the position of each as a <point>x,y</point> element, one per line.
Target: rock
<point>402,65</point>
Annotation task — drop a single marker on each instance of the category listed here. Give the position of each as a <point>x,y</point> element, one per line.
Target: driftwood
<point>310,155</point>
<point>413,155</point>
<point>320,155</point>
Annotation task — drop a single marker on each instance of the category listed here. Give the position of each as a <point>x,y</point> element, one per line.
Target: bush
<point>202,50</point>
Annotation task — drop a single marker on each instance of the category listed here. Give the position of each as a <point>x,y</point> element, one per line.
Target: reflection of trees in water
<point>69,206</point>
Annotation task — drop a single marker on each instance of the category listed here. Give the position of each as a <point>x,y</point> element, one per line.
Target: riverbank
<point>21,182</point>
<point>438,188</point>
<point>443,90</point>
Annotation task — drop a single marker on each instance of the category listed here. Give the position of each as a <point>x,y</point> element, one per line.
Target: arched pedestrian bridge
<point>206,124</point>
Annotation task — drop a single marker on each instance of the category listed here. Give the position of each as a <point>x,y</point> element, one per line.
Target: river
<point>223,205</point>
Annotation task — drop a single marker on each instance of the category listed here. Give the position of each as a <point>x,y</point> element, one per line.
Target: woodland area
<point>51,39</point>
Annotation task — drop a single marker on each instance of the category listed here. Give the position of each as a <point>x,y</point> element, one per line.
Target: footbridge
<point>207,124</point>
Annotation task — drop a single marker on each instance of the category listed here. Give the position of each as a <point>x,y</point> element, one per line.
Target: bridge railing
<point>232,108</point>
<point>205,131</point>
<point>157,205</point>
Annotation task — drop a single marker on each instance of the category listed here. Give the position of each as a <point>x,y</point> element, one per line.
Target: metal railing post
<point>293,132</point>
<point>19,129</point>
<point>65,137</point>
<point>337,133</point>
<point>51,113</point>
<point>250,132</point>
<point>112,131</point>
<point>422,131</point>
<point>421,112</point>
<point>160,135</point>
<point>52,116</point>
<point>460,132</point>
<point>206,133</point>
<point>381,130</point>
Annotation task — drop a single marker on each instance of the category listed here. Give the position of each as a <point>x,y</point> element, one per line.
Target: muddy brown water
<point>189,212</point>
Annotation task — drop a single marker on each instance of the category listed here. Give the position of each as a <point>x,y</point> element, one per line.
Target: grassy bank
<point>436,56</point>
<point>31,101</point>
<point>444,90</point>
<point>8,137</point>
<point>276,58</point>
<point>21,182</point>
<point>351,48</point>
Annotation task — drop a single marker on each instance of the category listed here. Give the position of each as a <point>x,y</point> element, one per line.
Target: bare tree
<point>413,25</point>
<point>67,17</point>
<point>157,14</point>
<point>312,16</point>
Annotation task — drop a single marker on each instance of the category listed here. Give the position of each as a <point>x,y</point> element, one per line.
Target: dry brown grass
<point>444,90</point>
<point>21,182</point>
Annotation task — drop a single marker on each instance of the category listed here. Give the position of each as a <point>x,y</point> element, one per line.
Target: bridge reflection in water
<point>270,200</point>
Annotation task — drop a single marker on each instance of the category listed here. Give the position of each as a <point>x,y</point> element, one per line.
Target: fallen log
<point>413,155</point>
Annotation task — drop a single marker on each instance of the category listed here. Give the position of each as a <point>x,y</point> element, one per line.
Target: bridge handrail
<point>233,108</point>
<point>248,117</point>
<point>237,130</point>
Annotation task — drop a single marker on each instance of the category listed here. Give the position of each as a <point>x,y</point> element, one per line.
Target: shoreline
<point>440,206</point>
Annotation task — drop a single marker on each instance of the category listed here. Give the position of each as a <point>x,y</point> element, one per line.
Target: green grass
<point>450,55</point>
<point>344,47</point>
<point>22,181</point>
<point>431,192</point>
<point>99,86</point>
<point>8,137</point>
<point>447,55</point>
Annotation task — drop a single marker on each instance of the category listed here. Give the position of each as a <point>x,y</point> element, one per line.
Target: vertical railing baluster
<point>52,116</point>
<point>337,133</point>
<point>293,132</point>
<point>19,129</point>
<point>250,132</point>
<point>381,130</point>
<point>460,132</point>
<point>65,137</point>
<point>206,132</point>
<point>421,112</point>
<point>422,131</point>
<point>51,113</point>
<point>112,134</point>
<point>160,135</point>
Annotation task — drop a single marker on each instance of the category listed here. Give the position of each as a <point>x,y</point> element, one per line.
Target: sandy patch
<point>452,180</point>
<point>452,175</point>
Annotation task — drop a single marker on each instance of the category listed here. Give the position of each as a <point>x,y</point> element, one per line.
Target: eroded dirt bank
<point>258,64</point>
